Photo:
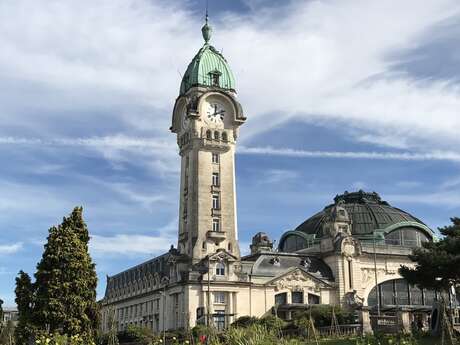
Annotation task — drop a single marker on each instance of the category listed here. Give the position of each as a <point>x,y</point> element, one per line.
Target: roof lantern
<point>208,68</point>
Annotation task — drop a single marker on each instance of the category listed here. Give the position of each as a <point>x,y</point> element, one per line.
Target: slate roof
<point>141,272</point>
<point>274,264</point>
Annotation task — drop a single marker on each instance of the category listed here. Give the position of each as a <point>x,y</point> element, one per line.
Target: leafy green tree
<point>65,295</point>
<point>437,264</point>
<point>24,299</point>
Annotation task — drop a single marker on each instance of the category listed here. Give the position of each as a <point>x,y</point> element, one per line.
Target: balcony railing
<point>217,235</point>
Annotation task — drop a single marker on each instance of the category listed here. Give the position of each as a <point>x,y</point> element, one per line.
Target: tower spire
<point>206,30</point>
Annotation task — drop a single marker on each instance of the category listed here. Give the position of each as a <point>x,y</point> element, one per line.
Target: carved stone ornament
<point>350,247</point>
<point>368,275</point>
<point>296,281</point>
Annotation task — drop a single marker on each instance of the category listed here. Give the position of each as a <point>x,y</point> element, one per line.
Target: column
<point>404,320</point>
<point>230,307</point>
<point>365,321</point>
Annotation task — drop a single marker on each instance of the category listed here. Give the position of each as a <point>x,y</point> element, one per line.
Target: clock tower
<point>206,119</point>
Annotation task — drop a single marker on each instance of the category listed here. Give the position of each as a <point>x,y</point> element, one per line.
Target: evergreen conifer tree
<point>24,298</point>
<point>1,313</point>
<point>65,297</point>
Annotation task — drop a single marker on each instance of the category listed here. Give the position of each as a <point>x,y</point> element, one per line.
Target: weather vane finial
<point>206,30</point>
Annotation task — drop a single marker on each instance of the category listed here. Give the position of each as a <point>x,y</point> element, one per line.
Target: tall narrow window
<point>216,224</point>
<point>297,297</point>
<point>281,298</point>
<point>215,180</point>
<point>215,202</point>
<point>350,274</point>
<point>224,136</point>
<point>219,297</point>
<point>208,134</point>
<point>220,269</point>
<point>215,78</point>
<point>216,135</point>
<point>215,158</point>
<point>219,319</point>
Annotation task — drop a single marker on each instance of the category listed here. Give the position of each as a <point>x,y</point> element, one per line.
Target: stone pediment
<point>297,279</point>
<point>222,255</point>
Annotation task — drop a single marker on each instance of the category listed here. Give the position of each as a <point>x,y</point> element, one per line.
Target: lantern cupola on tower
<point>208,68</point>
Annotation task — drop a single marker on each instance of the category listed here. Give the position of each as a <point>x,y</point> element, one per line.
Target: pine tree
<point>437,264</point>
<point>65,298</point>
<point>24,299</point>
<point>1,313</point>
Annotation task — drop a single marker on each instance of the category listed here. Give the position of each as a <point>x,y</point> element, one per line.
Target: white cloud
<point>6,249</point>
<point>166,150</point>
<point>357,185</point>
<point>404,156</point>
<point>130,244</point>
<point>274,176</point>
<point>330,60</point>
<point>117,141</point>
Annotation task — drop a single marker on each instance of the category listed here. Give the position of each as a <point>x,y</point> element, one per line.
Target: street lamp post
<point>208,312</point>
<point>377,292</point>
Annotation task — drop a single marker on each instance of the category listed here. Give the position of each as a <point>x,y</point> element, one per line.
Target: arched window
<point>216,135</point>
<point>398,292</point>
<point>224,136</point>
<point>220,269</point>
<point>208,134</point>
<point>406,237</point>
<point>204,245</point>
<point>294,243</point>
<point>229,247</point>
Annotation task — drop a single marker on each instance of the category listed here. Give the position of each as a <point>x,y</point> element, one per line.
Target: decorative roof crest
<point>206,30</point>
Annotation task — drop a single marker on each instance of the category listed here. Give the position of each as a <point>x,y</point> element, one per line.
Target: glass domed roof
<point>368,213</point>
<point>368,218</point>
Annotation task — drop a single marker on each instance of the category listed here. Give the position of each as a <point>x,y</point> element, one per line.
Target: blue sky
<point>339,95</point>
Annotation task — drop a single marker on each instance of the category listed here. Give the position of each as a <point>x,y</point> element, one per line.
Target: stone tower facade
<point>206,119</point>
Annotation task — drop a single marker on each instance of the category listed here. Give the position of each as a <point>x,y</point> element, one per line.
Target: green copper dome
<point>208,68</point>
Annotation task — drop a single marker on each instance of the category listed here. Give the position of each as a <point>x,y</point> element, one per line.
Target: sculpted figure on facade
<point>353,300</point>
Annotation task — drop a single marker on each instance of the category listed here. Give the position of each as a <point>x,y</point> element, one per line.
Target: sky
<point>339,95</point>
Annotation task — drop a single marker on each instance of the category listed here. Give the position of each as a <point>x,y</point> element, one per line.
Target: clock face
<point>185,120</point>
<point>215,112</point>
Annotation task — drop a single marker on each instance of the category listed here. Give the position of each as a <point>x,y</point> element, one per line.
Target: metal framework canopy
<point>370,218</point>
<point>397,292</point>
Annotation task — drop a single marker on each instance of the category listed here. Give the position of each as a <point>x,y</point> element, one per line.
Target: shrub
<point>204,332</point>
<point>272,322</point>
<point>322,315</point>
<point>61,339</point>
<point>137,334</point>
<point>245,321</point>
